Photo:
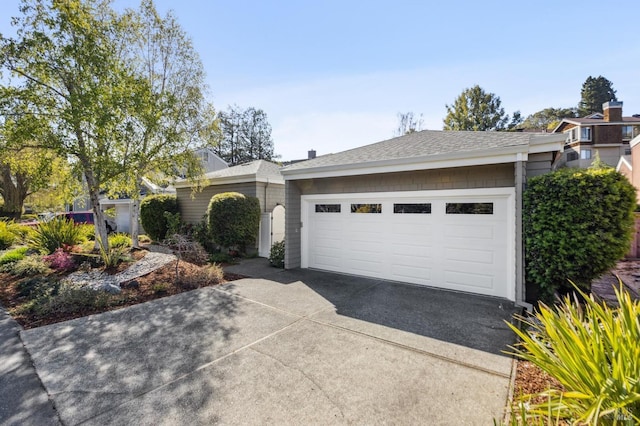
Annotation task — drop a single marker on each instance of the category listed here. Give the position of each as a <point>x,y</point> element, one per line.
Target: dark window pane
<point>366,208</point>
<point>469,208</point>
<point>327,208</point>
<point>424,208</point>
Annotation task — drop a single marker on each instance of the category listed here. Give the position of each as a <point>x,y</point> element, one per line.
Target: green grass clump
<point>119,240</point>
<point>7,237</point>
<point>57,233</point>
<point>13,255</point>
<point>593,350</point>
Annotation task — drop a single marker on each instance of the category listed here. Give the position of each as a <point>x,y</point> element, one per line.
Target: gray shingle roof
<point>418,144</point>
<point>258,168</point>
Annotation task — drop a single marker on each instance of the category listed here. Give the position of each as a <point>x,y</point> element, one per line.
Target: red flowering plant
<point>60,260</point>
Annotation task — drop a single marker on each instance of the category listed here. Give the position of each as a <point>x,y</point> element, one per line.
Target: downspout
<point>265,196</point>
<point>520,180</point>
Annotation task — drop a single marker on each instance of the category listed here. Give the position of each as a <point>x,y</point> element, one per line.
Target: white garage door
<point>460,240</point>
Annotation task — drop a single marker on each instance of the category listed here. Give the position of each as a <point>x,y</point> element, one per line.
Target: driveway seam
<point>195,370</point>
<point>391,342</point>
<point>412,349</point>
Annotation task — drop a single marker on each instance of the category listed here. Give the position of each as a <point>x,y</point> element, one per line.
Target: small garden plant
<point>276,255</point>
<point>58,232</point>
<point>593,350</point>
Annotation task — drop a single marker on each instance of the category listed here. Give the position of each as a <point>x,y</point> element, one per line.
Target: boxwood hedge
<point>577,224</point>
<point>234,219</point>
<point>152,209</point>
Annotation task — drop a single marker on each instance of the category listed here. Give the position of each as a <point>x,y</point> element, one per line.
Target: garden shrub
<point>29,266</point>
<point>119,240</point>
<point>7,237</point>
<point>152,209</point>
<point>58,232</point>
<point>234,219</point>
<point>577,224</point>
<point>593,350</point>
<point>70,298</point>
<point>276,255</point>
<point>13,255</point>
<point>60,261</point>
<point>88,230</point>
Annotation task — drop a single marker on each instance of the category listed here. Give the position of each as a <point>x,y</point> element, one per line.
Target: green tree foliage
<point>408,122</point>
<point>246,136</point>
<point>577,224</point>
<point>548,118</point>
<point>170,117</point>
<point>478,110</point>
<point>234,219</point>
<point>595,91</point>
<point>152,214</point>
<point>64,66</point>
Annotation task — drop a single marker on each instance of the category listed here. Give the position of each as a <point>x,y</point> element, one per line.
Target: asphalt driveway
<point>293,347</point>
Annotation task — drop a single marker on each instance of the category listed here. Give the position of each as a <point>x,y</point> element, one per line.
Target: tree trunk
<point>135,215</point>
<point>100,224</point>
<point>14,192</point>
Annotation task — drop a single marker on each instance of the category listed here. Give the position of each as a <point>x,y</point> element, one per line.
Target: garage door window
<point>415,208</point>
<point>327,208</point>
<point>469,208</point>
<point>366,208</point>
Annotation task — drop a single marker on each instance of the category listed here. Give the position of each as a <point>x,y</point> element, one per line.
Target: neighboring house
<point>210,163</point>
<point>260,178</point>
<point>608,133</point>
<point>437,208</point>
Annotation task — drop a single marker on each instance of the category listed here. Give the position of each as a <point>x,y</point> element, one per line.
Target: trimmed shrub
<point>152,209</point>
<point>276,255</point>
<point>593,350</point>
<point>13,255</point>
<point>577,224</point>
<point>7,237</point>
<point>234,219</point>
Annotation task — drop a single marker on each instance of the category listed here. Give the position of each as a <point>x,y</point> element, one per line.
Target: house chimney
<point>612,111</point>
<point>311,154</point>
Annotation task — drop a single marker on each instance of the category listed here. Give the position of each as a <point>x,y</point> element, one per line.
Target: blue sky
<point>332,75</point>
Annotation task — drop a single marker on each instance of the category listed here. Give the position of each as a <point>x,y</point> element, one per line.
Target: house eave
<point>499,155</point>
<point>205,182</point>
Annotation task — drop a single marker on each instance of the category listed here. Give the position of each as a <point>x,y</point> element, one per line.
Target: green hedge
<point>152,209</point>
<point>233,219</point>
<point>577,224</point>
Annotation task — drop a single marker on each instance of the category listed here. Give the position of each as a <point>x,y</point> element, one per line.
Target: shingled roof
<point>258,170</point>
<point>427,144</point>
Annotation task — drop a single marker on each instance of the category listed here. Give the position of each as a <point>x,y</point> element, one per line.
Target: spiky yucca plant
<point>593,350</point>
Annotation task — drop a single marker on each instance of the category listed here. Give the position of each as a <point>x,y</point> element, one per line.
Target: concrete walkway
<point>23,399</point>
<point>301,347</point>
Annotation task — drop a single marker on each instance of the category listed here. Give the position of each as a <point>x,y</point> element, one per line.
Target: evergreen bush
<point>152,214</point>
<point>234,219</point>
<point>577,224</point>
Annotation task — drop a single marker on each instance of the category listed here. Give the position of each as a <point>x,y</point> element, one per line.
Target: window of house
<point>327,208</point>
<point>627,132</point>
<point>585,154</point>
<point>415,208</point>
<point>469,208</point>
<point>572,155</point>
<point>585,133</point>
<point>366,208</point>
<point>572,135</point>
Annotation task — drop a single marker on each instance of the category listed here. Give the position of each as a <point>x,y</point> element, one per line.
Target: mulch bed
<point>159,283</point>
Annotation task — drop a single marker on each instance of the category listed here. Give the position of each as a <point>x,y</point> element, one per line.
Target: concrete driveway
<point>293,347</point>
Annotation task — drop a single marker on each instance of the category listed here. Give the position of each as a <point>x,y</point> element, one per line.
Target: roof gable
<point>254,171</point>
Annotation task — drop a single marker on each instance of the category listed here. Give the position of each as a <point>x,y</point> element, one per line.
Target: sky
<point>334,74</point>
